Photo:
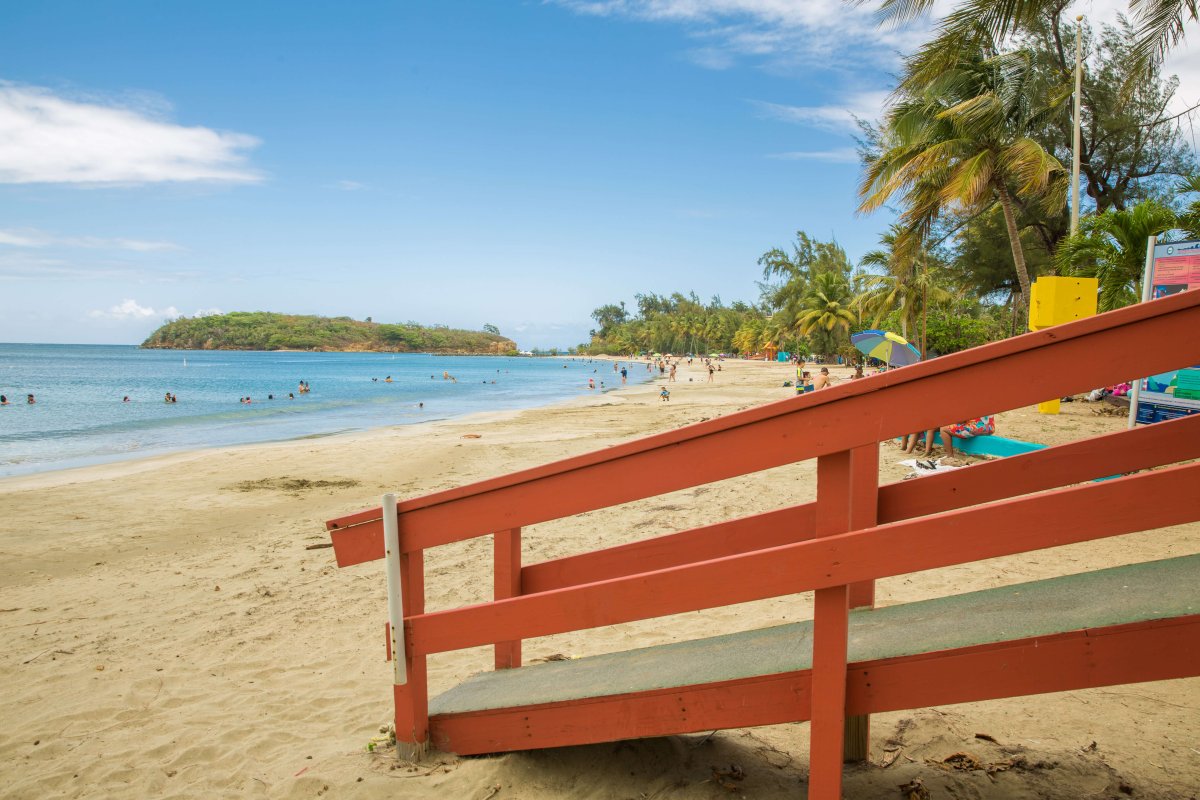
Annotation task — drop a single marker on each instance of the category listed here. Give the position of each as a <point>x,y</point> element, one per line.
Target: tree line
<point>262,330</point>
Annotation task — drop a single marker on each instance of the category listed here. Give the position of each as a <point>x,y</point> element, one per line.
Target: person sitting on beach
<point>665,394</point>
<point>823,380</point>
<point>980,426</point>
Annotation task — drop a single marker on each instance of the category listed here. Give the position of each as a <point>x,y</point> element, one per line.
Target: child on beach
<point>665,395</point>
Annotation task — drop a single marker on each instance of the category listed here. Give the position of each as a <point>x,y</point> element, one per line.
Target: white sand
<point>166,634</point>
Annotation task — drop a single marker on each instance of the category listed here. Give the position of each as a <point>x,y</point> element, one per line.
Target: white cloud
<point>777,33</point>
<point>350,186</point>
<point>207,312</point>
<point>131,310</point>
<point>836,117</point>
<point>838,155</point>
<point>18,240</point>
<point>144,247</point>
<point>34,238</point>
<point>45,138</point>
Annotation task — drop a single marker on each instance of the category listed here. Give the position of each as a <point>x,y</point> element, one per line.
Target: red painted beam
<point>1155,336</point>
<point>770,529</point>
<point>1098,457</point>
<point>1065,516</point>
<point>1144,651</point>
<point>1101,456</point>
<point>1157,650</point>
<point>772,700</point>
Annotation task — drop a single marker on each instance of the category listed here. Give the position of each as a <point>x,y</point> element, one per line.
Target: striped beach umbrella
<point>888,347</point>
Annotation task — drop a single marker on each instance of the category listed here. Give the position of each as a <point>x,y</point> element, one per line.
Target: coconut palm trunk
<point>1014,239</point>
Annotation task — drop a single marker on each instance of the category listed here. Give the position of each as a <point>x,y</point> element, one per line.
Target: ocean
<point>80,416</point>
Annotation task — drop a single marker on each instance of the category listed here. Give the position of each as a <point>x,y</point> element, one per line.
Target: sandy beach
<point>166,633</point>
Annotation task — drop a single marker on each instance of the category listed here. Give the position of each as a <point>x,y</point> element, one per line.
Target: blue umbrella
<point>890,348</point>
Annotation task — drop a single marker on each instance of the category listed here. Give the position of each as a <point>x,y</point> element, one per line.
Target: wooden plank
<point>1097,457</point>
<point>507,583</point>
<point>769,529</point>
<point>758,701</point>
<point>831,617</point>
<point>1093,658</point>
<point>1064,516</point>
<point>411,699</point>
<point>1155,336</point>
<point>1126,451</point>
<point>1156,650</point>
<point>864,513</point>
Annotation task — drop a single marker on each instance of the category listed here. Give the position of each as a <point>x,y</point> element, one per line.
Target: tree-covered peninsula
<point>261,330</point>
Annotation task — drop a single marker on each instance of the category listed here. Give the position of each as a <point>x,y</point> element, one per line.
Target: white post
<point>1135,392</point>
<point>1078,121</point>
<point>395,589</point>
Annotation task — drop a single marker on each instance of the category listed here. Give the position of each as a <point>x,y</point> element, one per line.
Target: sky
<point>445,162</point>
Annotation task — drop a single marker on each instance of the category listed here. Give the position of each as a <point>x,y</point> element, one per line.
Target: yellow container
<point>1055,300</point>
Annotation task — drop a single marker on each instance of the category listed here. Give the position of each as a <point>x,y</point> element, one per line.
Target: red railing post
<point>846,490</point>
<point>507,547</point>
<point>412,697</point>
<point>864,513</point>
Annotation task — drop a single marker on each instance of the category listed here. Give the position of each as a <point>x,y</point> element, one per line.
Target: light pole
<point>1075,131</point>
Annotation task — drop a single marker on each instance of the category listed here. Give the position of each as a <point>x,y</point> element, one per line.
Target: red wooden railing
<point>853,534</point>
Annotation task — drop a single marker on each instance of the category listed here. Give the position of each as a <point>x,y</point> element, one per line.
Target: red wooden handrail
<point>983,380</point>
<point>1064,516</point>
<point>1050,468</point>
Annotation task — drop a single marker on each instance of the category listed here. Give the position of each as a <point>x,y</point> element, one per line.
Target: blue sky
<point>459,163</point>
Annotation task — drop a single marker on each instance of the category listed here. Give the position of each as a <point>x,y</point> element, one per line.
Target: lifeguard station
<point>1139,622</point>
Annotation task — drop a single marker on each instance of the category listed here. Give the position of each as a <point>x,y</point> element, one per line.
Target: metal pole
<point>1075,133</point>
<point>395,589</point>
<point>1135,391</point>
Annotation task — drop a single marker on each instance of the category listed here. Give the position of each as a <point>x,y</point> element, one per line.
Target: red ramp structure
<point>1139,622</point>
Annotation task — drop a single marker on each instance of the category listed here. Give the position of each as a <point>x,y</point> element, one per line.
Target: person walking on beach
<point>672,378</point>
<point>711,372</point>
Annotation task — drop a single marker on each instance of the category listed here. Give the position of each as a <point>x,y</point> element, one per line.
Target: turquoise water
<point>79,417</point>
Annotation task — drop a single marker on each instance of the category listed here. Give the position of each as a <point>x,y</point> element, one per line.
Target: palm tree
<point>1159,24</point>
<point>891,289</point>
<point>827,311</point>
<point>1112,248</point>
<point>962,141</point>
<point>1189,219</point>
